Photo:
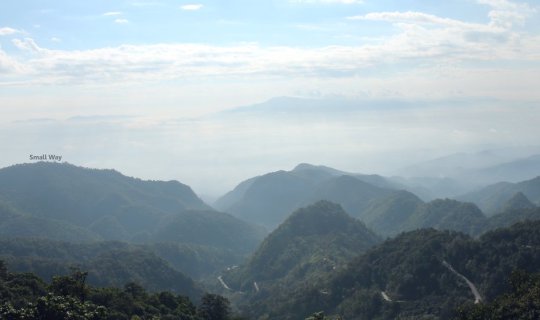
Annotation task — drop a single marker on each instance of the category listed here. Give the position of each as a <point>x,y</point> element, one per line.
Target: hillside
<point>65,202</point>
<point>493,198</point>
<point>403,211</point>
<point>420,275</point>
<point>107,263</point>
<point>313,242</point>
<point>268,199</point>
<point>26,296</point>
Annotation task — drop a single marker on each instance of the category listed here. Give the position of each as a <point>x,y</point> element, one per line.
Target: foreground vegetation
<point>24,296</point>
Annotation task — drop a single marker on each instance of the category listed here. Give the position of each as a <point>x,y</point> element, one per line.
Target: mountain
<point>447,214</point>
<point>403,211</point>
<point>79,195</point>
<point>460,173</point>
<point>314,241</point>
<point>511,216</point>
<point>271,197</point>
<point>14,223</point>
<point>107,263</point>
<point>518,201</point>
<point>422,274</point>
<point>493,198</point>
<point>455,164</point>
<point>268,199</point>
<point>65,202</point>
<point>375,200</point>
<point>513,171</point>
<point>389,215</point>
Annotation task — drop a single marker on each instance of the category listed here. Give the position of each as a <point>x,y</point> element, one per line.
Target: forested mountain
<point>403,211</point>
<point>65,202</point>
<point>269,199</point>
<point>107,263</point>
<point>375,200</point>
<point>312,243</point>
<point>48,257</point>
<point>25,296</point>
<point>492,199</point>
<point>418,275</point>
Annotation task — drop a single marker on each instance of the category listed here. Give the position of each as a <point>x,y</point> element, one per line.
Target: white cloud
<point>413,17</point>
<point>112,13</point>
<point>55,39</point>
<point>6,31</point>
<point>191,7</point>
<point>506,14</point>
<point>28,44</point>
<point>121,21</point>
<point>423,42</point>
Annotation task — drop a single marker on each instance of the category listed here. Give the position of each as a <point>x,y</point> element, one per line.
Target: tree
<point>73,285</point>
<point>214,307</point>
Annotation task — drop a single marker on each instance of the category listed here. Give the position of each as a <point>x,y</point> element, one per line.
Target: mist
<point>214,152</point>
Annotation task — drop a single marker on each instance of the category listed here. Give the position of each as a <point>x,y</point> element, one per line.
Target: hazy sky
<point>133,84</point>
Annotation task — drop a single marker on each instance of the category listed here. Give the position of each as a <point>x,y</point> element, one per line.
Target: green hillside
<point>419,275</point>
<point>312,243</point>
<point>493,198</point>
<point>65,202</point>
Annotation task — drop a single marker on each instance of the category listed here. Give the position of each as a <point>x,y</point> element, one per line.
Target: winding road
<point>220,278</point>
<point>385,296</point>
<point>474,290</point>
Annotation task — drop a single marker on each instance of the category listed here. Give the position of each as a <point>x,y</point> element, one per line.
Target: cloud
<point>28,44</point>
<point>6,31</point>
<point>55,39</point>
<point>505,14</point>
<point>413,17</point>
<point>424,45</point>
<point>121,21</point>
<point>112,13</point>
<point>191,7</point>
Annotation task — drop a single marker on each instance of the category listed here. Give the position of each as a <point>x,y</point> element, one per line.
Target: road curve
<point>474,290</point>
<point>220,278</point>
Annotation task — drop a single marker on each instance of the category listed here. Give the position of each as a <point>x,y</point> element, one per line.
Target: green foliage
<point>26,297</point>
<point>522,302</point>
<point>47,258</point>
<point>312,243</point>
<point>214,307</point>
<point>403,211</point>
<point>409,269</point>
<point>108,264</point>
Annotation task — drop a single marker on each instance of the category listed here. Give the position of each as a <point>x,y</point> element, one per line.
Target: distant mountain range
<point>497,197</point>
<point>269,199</point>
<point>472,170</point>
<point>383,204</point>
<point>65,202</point>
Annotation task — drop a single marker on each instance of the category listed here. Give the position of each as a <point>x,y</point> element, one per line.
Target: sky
<point>149,87</point>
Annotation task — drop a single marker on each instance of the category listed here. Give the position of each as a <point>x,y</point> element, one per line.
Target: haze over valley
<point>269,160</point>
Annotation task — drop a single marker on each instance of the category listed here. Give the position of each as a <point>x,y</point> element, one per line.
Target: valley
<point>284,245</point>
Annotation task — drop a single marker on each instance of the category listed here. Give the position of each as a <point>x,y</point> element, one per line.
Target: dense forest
<point>27,297</point>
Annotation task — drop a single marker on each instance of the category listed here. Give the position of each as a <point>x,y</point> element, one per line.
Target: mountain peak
<point>518,201</point>
<point>319,218</point>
